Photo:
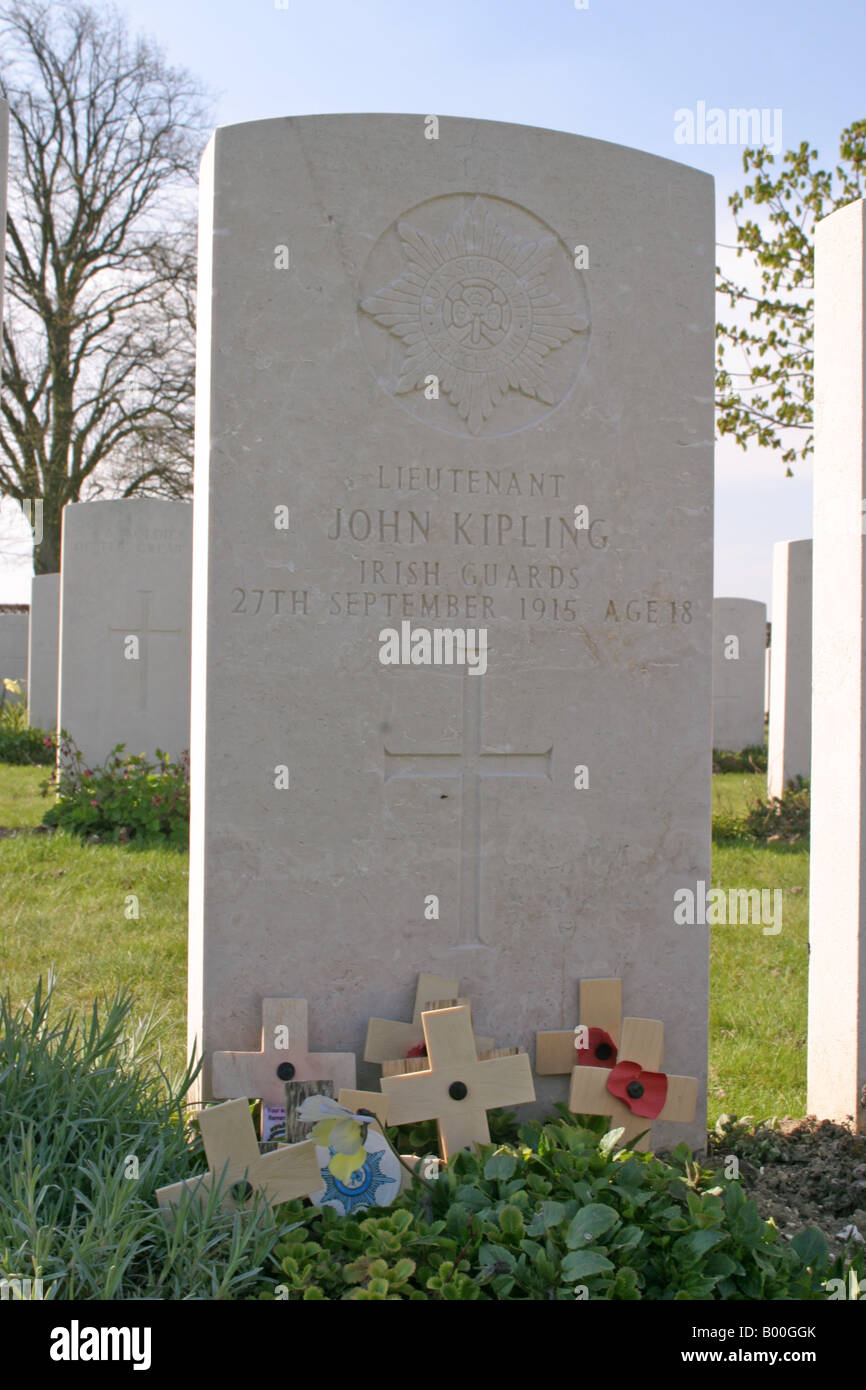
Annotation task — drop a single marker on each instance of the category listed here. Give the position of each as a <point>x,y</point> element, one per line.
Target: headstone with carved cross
<point>634,1092</point>
<point>388,1041</point>
<point>233,1155</point>
<point>137,641</point>
<point>456,1088</point>
<point>380,792</point>
<point>125,601</point>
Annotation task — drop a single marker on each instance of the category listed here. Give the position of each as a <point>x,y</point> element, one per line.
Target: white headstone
<point>418,406</point>
<point>739,657</point>
<point>14,622</point>
<point>125,627</point>
<point>43,651</point>
<point>790,733</point>
<point>837,925</point>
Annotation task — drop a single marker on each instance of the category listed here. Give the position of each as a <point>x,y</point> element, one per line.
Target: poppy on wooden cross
<point>388,1041</point>
<point>230,1146</point>
<point>635,1091</point>
<point>600,1013</point>
<point>456,1088</point>
<point>283,1057</point>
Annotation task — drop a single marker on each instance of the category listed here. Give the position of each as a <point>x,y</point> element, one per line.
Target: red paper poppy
<point>644,1092</point>
<point>600,1050</point>
<point>419,1050</point>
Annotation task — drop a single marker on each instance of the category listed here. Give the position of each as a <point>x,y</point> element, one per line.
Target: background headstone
<point>356,824</point>
<point>768,657</point>
<point>14,623</point>
<point>43,651</point>
<point>837,911</point>
<point>739,662</point>
<point>125,627</point>
<point>790,730</point>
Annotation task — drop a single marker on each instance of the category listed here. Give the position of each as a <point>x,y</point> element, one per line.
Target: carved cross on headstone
<point>471,765</point>
<point>457,1089</point>
<point>388,1041</point>
<point>283,1057</point>
<point>143,630</point>
<point>642,1043</point>
<point>600,1006</point>
<point>230,1143</point>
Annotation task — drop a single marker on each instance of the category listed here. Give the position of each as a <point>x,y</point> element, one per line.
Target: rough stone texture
<point>125,574</point>
<point>738,678</point>
<point>43,651</point>
<point>560,387</point>
<point>14,622</point>
<point>837,924</point>
<point>790,732</point>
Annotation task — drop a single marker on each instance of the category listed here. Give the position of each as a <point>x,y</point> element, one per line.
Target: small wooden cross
<point>283,1057</point>
<point>456,1089</point>
<point>388,1041</point>
<point>230,1143</point>
<point>641,1041</point>
<point>600,1006</point>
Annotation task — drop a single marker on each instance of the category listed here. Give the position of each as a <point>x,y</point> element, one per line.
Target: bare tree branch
<point>100,331</point>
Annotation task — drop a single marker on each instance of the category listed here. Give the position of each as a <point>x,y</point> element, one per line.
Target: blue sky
<point>617,70</point>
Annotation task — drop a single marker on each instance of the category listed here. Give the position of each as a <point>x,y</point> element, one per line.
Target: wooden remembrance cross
<point>641,1041</point>
<point>600,1006</point>
<point>388,1041</point>
<point>471,764</point>
<point>457,1089</point>
<point>230,1144</point>
<point>283,1057</point>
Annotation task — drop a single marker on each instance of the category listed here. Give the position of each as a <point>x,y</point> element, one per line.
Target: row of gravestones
<point>109,650</point>
<point>753,677</point>
<point>462,384</point>
<point>125,657</point>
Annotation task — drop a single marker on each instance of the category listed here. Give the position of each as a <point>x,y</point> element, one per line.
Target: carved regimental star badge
<point>485,308</point>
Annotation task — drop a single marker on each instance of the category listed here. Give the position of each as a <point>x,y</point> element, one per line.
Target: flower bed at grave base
<point>19,744</point>
<point>128,799</point>
<point>559,1215</point>
<point>546,1211</point>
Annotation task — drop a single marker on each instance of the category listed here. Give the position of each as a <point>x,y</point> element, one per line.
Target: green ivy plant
<point>558,1214</point>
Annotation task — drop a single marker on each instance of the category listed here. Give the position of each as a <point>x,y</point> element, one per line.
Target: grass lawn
<point>69,905</point>
<point>20,800</point>
<point>758,983</point>
<point>66,904</point>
